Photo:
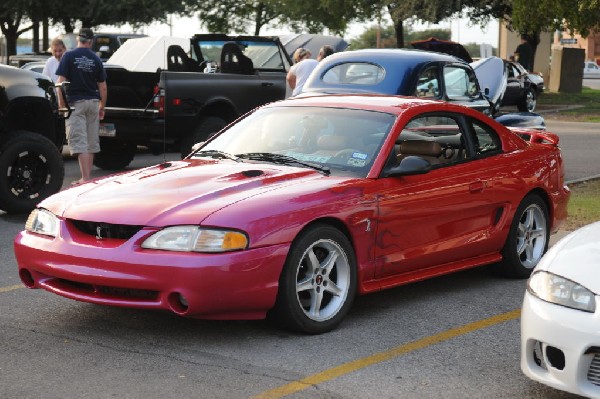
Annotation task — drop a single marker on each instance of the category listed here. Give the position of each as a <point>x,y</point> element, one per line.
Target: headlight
<point>196,239</point>
<point>41,221</point>
<point>561,291</point>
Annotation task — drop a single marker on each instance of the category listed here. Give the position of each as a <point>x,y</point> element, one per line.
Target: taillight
<point>159,100</point>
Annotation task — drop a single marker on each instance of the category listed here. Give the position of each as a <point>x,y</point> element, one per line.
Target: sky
<point>462,30</point>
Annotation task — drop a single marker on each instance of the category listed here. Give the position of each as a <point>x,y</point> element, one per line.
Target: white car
<point>591,70</point>
<point>560,318</point>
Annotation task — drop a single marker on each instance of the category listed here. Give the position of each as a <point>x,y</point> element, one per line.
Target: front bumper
<point>234,285</point>
<point>560,347</point>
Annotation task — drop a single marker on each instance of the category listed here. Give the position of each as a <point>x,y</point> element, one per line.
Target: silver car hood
<point>492,78</point>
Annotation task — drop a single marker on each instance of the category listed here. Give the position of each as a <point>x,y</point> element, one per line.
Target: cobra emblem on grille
<point>99,232</point>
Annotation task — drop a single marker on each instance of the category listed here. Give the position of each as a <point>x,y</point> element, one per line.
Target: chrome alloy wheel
<point>531,236</point>
<point>323,280</point>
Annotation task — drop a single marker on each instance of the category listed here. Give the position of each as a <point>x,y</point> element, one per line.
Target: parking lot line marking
<point>380,357</point>
<point>11,288</point>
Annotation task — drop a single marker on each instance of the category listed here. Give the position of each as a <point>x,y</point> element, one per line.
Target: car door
<point>515,85</point>
<point>451,213</point>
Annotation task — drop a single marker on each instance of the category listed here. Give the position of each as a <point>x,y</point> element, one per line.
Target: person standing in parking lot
<point>303,67</point>
<point>86,93</point>
<point>524,53</point>
<point>57,48</point>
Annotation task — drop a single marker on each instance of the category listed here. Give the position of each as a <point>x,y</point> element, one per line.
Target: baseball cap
<point>86,33</point>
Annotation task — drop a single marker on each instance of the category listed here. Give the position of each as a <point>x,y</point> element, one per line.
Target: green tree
<point>251,16</point>
<point>17,17</point>
<point>531,17</point>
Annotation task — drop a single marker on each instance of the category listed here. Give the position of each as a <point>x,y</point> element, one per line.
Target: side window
<point>486,140</point>
<point>435,138</point>
<point>460,83</point>
<point>428,84</point>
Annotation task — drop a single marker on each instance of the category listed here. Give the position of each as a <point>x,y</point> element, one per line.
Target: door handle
<point>266,84</point>
<point>477,187</point>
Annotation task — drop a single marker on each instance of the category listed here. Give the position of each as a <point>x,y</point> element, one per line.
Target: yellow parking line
<point>10,288</point>
<point>358,364</point>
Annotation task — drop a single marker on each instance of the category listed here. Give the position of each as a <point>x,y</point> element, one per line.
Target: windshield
<point>264,55</point>
<point>345,141</point>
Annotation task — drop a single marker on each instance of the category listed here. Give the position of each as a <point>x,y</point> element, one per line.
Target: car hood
<point>577,257</point>
<point>492,78</point>
<point>179,192</point>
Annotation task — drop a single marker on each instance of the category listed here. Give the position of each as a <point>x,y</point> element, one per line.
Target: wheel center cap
<point>319,279</point>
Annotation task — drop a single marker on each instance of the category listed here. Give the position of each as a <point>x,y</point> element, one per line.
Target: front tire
<point>31,169</point>
<point>318,282</point>
<point>527,240</point>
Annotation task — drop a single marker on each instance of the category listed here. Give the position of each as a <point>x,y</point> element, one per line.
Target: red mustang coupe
<point>300,206</point>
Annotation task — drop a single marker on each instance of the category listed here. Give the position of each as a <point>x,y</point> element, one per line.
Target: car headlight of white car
<point>196,239</point>
<point>42,221</point>
<point>561,291</point>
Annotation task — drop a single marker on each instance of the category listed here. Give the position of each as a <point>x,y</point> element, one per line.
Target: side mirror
<point>411,165</point>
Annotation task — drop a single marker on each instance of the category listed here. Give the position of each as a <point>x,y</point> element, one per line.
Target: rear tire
<point>528,102</point>
<point>318,282</point>
<point>31,169</point>
<point>527,240</point>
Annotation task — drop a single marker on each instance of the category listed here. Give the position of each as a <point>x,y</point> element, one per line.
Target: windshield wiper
<point>218,155</point>
<point>283,160</point>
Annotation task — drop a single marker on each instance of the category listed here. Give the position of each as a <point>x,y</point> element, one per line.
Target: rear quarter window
<point>358,73</point>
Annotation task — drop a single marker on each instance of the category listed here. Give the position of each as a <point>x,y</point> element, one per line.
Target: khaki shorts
<point>83,126</point>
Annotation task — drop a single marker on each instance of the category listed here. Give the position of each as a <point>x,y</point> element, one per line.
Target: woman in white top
<point>57,48</point>
<point>301,70</point>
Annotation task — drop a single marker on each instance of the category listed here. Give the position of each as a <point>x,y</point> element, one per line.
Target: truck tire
<point>31,169</point>
<point>203,131</point>
<point>114,154</point>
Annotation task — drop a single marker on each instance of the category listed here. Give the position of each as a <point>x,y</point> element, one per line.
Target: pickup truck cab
<point>168,94</point>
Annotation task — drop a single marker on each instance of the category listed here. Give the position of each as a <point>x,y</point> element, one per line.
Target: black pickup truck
<point>32,133</point>
<point>190,95</point>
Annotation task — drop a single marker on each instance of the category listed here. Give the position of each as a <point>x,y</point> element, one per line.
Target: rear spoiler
<point>539,137</point>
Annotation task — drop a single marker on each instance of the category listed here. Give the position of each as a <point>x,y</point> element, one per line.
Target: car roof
<point>373,102</point>
<point>400,65</point>
<point>397,54</point>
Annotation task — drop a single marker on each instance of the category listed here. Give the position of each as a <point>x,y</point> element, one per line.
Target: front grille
<point>106,230</point>
<point>593,374</point>
<point>103,291</point>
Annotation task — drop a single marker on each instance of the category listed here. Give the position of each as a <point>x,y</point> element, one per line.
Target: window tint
<point>428,85</point>
<point>358,73</point>
<point>460,83</point>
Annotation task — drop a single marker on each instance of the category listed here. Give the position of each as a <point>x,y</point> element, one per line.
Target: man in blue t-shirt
<point>86,94</point>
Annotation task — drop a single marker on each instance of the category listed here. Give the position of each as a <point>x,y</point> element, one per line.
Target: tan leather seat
<point>429,150</point>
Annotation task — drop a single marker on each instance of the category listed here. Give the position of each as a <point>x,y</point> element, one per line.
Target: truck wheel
<point>114,154</point>
<point>31,169</point>
<point>205,129</point>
